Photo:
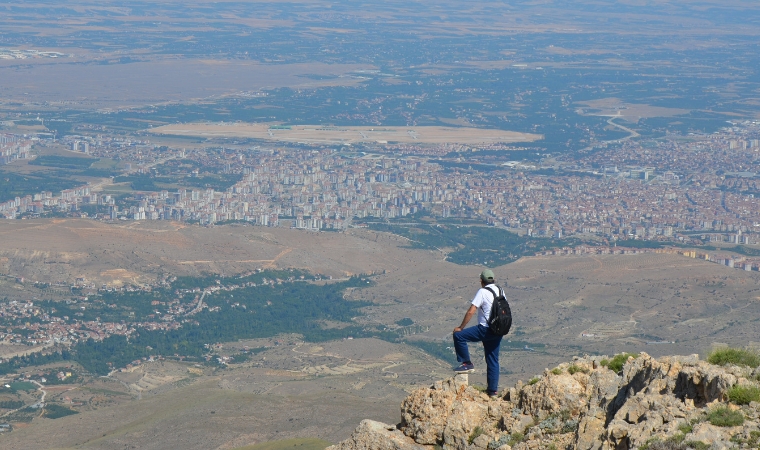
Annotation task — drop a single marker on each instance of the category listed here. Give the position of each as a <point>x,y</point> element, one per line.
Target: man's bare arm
<point>467,316</point>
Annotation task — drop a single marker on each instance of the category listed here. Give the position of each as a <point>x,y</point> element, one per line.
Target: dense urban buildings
<point>667,189</point>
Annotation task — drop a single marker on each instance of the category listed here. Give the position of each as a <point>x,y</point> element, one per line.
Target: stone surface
<point>464,416</point>
<point>591,408</point>
<point>717,437</point>
<point>371,435</point>
<point>425,412</point>
<point>555,393</point>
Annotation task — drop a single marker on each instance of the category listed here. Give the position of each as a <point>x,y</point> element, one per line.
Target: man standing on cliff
<point>480,333</point>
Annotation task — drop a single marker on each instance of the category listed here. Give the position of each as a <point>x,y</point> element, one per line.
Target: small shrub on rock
<point>561,422</point>
<point>549,425</point>
<point>570,426</point>
<point>725,417</point>
<point>735,356</point>
<point>503,440</point>
<point>616,364</point>
<point>572,370</point>
<point>515,438</point>
<point>533,381</point>
<point>697,445</point>
<point>751,441</point>
<point>475,434</point>
<point>657,444</point>
<point>557,371</point>
<point>743,395</point>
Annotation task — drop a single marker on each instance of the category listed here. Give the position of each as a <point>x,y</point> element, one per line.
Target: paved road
<point>632,133</point>
<point>199,306</point>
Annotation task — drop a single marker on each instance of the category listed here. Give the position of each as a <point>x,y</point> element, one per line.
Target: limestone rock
<point>554,393</point>
<point>371,435</point>
<point>481,441</point>
<point>521,423</point>
<point>425,411</point>
<point>580,405</point>
<point>591,434</point>
<point>717,437</point>
<point>464,417</point>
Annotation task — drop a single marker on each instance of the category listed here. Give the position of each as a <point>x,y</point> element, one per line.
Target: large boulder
<point>464,417</point>
<point>425,412</point>
<point>555,392</point>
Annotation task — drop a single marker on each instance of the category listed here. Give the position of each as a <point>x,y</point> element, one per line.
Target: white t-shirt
<point>483,301</point>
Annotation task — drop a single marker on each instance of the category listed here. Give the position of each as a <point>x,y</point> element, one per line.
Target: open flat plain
<point>348,134</point>
<point>620,302</point>
<point>563,306</point>
<point>160,80</point>
<point>294,390</point>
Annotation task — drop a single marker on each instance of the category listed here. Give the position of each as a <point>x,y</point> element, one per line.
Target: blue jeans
<point>491,343</point>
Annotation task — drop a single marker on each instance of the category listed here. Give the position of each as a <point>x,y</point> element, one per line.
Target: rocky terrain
<point>674,402</point>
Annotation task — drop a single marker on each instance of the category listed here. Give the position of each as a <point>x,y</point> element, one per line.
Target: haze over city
<point>176,178</point>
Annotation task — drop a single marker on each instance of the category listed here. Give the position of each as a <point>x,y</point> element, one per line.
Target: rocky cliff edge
<point>674,403</point>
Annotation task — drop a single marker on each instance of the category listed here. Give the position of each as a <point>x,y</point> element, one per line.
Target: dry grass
<point>289,444</point>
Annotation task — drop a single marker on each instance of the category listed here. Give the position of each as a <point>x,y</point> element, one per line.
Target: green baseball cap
<point>486,275</point>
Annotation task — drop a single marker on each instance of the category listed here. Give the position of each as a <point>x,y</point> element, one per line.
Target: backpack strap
<point>492,292</point>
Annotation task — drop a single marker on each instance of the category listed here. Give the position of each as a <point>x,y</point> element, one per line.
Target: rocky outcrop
<point>581,405</point>
<point>377,436</point>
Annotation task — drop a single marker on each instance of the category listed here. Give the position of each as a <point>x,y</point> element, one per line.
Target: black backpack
<point>500,320</point>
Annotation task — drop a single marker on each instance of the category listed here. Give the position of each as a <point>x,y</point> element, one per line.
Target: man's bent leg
<point>461,338</point>
<point>491,345</point>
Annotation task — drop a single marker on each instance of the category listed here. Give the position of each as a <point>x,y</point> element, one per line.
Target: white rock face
<point>579,405</point>
<point>377,436</point>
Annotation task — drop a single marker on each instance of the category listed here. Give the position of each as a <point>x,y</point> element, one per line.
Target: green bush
<point>556,371</point>
<point>752,441</point>
<point>616,364</point>
<point>570,426</point>
<point>478,431</point>
<point>697,445</point>
<point>724,417</point>
<point>648,444</point>
<point>515,438</point>
<point>11,404</point>
<point>736,356</point>
<point>533,381</point>
<point>671,444</point>
<point>54,411</point>
<point>572,370</point>
<point>743,395</point>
